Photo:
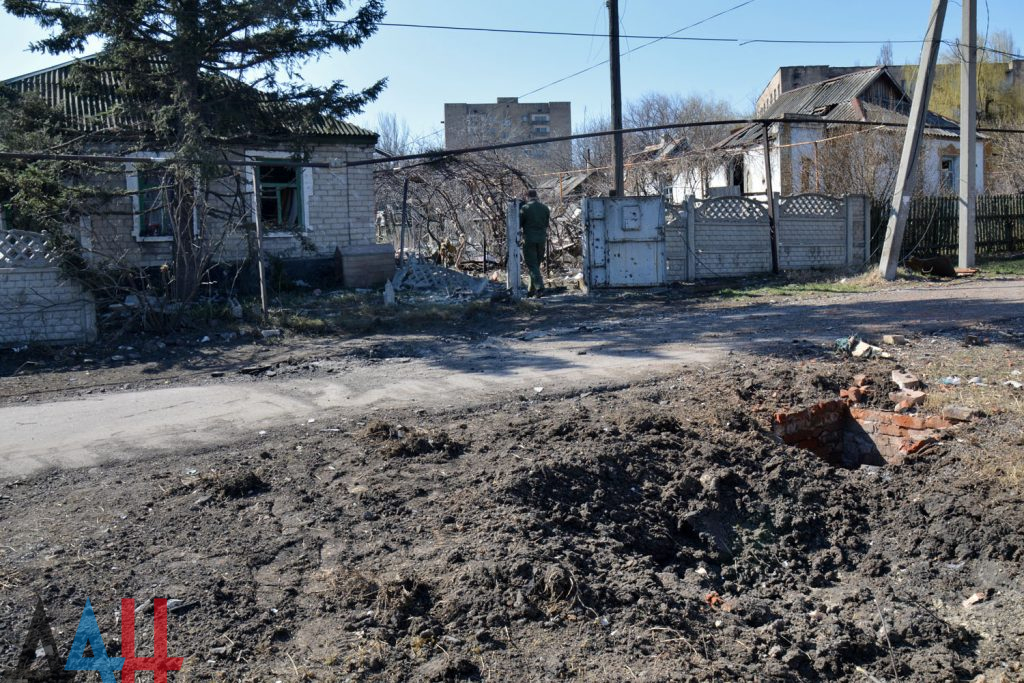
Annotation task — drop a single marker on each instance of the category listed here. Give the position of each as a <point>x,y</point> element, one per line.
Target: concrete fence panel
<point>37,302</point>
<point>813,232</point>
<point>730,236</point>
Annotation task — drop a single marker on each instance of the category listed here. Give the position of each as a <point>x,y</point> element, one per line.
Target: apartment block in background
<point>509,120</point>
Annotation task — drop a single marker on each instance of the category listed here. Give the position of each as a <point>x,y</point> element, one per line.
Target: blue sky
<point>427,68</point>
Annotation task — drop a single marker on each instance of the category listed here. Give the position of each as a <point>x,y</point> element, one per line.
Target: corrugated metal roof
<point>845,98</point>
<point>104,110</point>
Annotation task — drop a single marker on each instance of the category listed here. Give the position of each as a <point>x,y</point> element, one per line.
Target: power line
<point>642,46</point>
<point>652,38</point>
<point>338,164</point>
<point>575,34</point>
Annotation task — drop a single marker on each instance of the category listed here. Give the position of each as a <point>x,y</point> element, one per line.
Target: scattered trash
<point>538,389</point>
<point>976,381</point>
<point>267,334</point>
<point>905,380</point>
<point>973,340</point>
<point>254,370</point>
<point>311,420</point>
<point>1016,373</point>
<point>236,308</point>
<point>117,358</point>
<point>860,349</point>
<point>1013,383</point>
<point>951,381</point>
<point>389,294</point>
<point>894,339</point>
<point>216,373</point>
<point>263,432</point>
<point>19,349</point>
<point>204,340</point>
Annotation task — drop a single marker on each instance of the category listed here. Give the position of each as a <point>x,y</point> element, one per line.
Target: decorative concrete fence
<point>731,236</point>
<point>37,302</point>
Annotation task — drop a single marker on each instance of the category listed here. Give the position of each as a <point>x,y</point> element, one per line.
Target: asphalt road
<point>89,431</point>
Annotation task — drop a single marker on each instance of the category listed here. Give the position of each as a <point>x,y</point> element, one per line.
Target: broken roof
<point>871,95</point>
<point>105,110</point>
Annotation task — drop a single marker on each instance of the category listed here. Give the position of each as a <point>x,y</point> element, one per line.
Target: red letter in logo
<point>159,663</point>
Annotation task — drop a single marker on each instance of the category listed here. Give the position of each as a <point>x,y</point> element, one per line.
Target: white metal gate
<point>623,241</point>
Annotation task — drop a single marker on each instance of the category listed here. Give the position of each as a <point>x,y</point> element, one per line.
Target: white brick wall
<point>39,305</point>
<point>339,211</point>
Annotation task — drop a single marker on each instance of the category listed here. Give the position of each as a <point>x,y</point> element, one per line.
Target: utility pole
<point>770,196</point>
<point>968,133</point>
<point>613,59</point>
<point>908,161</point>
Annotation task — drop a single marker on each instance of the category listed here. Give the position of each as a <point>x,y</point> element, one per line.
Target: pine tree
<point>196,75</point>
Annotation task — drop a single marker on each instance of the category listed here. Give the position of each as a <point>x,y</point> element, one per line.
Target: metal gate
<point>623,242</point>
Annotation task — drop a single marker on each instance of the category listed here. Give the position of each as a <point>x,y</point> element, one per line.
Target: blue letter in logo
<point>88,633</point>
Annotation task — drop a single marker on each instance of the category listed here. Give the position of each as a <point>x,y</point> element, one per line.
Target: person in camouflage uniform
<point>533,220</point>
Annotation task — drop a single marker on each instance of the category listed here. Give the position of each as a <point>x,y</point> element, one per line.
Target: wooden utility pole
<point>908,161</point>
<point>613,59</point>
<point>968,133</point>
<point>257,206</point>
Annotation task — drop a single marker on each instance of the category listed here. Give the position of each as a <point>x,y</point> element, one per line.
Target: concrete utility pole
<point>911,143</point>
<point>968,133</point>
<point>770,196</point>
<point>613,59</point>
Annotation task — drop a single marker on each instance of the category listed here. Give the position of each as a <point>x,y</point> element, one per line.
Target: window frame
<point>133,183</point>
<point>304,194</point>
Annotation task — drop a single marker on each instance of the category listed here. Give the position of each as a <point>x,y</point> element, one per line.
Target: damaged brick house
<point>813,150</point>
<point>308,214</point>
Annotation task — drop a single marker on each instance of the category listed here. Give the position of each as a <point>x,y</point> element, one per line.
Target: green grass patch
<point>1013,266</point>
<point>754,291</point>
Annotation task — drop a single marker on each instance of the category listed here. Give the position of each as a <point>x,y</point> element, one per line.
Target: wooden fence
<point>932,227</point>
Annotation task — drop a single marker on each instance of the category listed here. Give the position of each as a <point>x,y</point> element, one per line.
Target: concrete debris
<point>894,339</point>
<point>861,349</point>
<point>974,599</point>
<point>862,380</point>
<point>423,275</point>
<point>905,380</point>
<point>961,413</point>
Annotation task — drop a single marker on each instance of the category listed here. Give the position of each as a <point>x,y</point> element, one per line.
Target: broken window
<point>154,200</point>
<point>949,173</point>
<point>280,197</point>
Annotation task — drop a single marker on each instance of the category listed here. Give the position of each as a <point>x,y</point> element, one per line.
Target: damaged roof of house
<point>844,98</point>
<point>106,110</point>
